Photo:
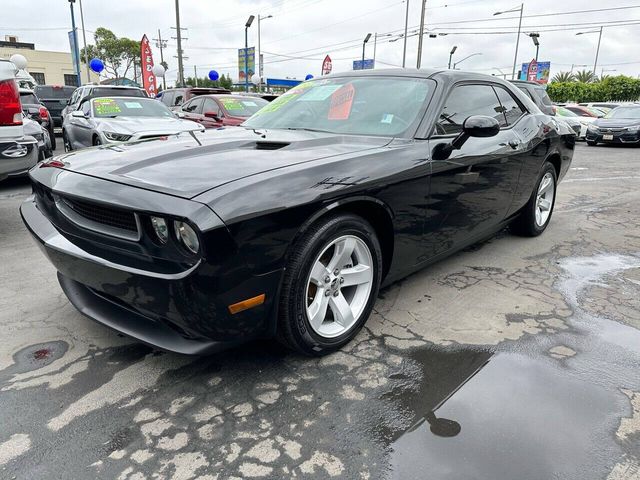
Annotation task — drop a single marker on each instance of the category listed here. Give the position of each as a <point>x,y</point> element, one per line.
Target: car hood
<point>616,122</point>
<point>140,125</point>
<point>187,165</point>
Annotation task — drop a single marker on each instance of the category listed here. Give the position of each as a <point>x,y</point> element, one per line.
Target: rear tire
<point>330,285</point>
<point>66,142</point>
<point>536,214</point>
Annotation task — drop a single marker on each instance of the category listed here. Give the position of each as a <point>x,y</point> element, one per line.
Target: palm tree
<point>585,76</point>
<point>563,77</point>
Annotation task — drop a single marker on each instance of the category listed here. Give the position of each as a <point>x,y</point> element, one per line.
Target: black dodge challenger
<point>288,225</point>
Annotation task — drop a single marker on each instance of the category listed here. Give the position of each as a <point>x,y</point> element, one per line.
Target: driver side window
<point>465,101</point>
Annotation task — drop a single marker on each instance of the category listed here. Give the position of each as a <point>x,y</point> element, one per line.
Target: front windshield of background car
<point>624,112</point>
<point>350,105</point>
<point>108,107</point>
<point>238,106</point>
<point>594,111</point>
<point>563,112</point>
<point>28,98</point>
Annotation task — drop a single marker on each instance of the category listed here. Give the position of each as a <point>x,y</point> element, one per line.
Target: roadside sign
<point>326,65</point>
<point>146,64</point>
<point>250,68</point>
<point>535,72</point>
<point>368,64</point>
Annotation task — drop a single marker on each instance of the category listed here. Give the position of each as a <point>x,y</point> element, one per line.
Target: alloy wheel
<point>544,199</point>
<point>339,286</point>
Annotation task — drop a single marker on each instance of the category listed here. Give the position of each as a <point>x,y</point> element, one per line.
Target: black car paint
<point>250,202</point>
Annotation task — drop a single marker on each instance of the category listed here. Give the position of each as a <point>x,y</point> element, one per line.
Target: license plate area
<point>607,137</point>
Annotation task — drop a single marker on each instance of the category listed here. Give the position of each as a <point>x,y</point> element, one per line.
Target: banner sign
<point>368,64</point>
<point>536,72</point>
<point>146,64</point>
<point>326,65</point>
<point>250,67</point>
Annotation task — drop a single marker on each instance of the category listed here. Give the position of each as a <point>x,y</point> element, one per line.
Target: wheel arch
<point>556,160</point>
<point>373,210</point>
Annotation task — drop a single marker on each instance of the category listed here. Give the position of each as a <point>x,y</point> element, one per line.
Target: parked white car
<point>105,120</point>
<point>18,153</point>
<point>585,121</point>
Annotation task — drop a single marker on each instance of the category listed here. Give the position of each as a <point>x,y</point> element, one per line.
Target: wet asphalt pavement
<point>514,359</point>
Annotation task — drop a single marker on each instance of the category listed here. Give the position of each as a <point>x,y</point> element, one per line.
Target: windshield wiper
<point>309,129</point>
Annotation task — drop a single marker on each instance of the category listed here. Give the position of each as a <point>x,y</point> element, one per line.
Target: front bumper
<point>616,137</point>
<point>181,311</point>
<point>18,156</point>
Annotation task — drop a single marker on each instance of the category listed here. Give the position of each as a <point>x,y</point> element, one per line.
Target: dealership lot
<point>516,358</point>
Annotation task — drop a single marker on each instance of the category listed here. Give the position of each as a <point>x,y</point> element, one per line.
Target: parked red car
<point>215,111</point>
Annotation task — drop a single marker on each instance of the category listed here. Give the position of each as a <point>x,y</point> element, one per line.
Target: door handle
<point>514,144</point>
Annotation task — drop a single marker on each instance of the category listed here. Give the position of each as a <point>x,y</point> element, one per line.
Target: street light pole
<point>515,58</point>
<point>424,7</point>
<point>84,41</point>
<point>536,42</point>
<point>453,50</point>
<point>259,51</point>
<point>468,56</point>
<point>406,23</point>
<point>76,53</point>
<point>364,44</point>
<point>246,51</point>
<point>599,31</point>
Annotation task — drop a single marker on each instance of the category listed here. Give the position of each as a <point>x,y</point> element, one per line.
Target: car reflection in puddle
<point>478,415</point>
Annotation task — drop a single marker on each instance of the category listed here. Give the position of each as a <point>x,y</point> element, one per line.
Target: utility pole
<point>161,44</point>
<point>260,69</point>
<point>406,24</point>
<point>246,51</point>
<point>179,39</point>
<point>84,41</point>
<point>195,74</point>
<point>595,64</point>
<point>424,7</point>
<point>76,53</point>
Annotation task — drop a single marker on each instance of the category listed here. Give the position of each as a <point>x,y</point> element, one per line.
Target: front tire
<point>330,285</point>
<point>536,214</point>
<point>591,143</point>
<point>66,142</point>
<point>96,141</point>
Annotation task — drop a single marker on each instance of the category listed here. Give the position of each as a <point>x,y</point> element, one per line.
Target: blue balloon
<point>213,75</point>
<point>308,77</point>
<point>96,65</point>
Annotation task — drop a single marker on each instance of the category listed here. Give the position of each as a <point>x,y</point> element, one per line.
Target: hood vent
<point>271,145</point>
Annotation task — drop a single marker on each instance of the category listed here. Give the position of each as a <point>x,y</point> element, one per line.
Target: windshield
<point>238,106</point>
<point>106,107</point>
<point>624,112</point>
<point>352,105</point>
<point>54,92</point>
<point>563,112</point>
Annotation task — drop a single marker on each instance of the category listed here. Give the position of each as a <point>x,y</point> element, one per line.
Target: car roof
<point>124,97</point>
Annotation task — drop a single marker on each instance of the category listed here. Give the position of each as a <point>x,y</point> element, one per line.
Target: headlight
<point>635,128</point>
<point>160,227</point>
<point>187,236</point>
<point>117,137</point>
<point>592,128</point>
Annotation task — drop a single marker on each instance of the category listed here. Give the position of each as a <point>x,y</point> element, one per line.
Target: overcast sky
<point>314,28</point>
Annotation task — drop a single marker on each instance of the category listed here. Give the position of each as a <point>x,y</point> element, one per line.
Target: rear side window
<point>543,96</point>
<point>193,106</point>
<point>511,109</point>
<point>28,98</point>
<point>167,98</point>
<point>179,99</point>
<point>465,101</point>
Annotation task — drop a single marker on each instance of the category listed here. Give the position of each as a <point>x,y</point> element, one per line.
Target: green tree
<point>118,54</point>
<point>563,77</point>
<point>223,82</point>
<point>585,76</point>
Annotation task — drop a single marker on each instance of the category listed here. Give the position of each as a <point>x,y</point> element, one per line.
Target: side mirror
<point>212,115</point>
<point>78,114</point>
<point>478,126</point>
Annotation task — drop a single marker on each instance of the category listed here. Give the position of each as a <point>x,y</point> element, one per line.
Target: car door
<point>192,110</point>
<point>472,190</point>
<point>211,113</point>
<point>81,132</point>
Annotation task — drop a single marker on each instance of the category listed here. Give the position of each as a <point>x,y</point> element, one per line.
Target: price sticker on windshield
<point>341,101</point>
<point>106,106</point>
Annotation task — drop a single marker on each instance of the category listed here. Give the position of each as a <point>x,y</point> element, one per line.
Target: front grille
<point>105,219</point>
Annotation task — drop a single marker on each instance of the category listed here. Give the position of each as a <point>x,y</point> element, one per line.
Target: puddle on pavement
<point>522,413</point>
<point>36,356</point>
<point>483,416</point>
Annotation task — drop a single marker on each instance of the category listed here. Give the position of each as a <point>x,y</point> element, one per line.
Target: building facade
<point>46,67</point>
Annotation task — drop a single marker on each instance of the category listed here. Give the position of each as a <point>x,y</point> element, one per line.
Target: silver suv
<point>18,152</point>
